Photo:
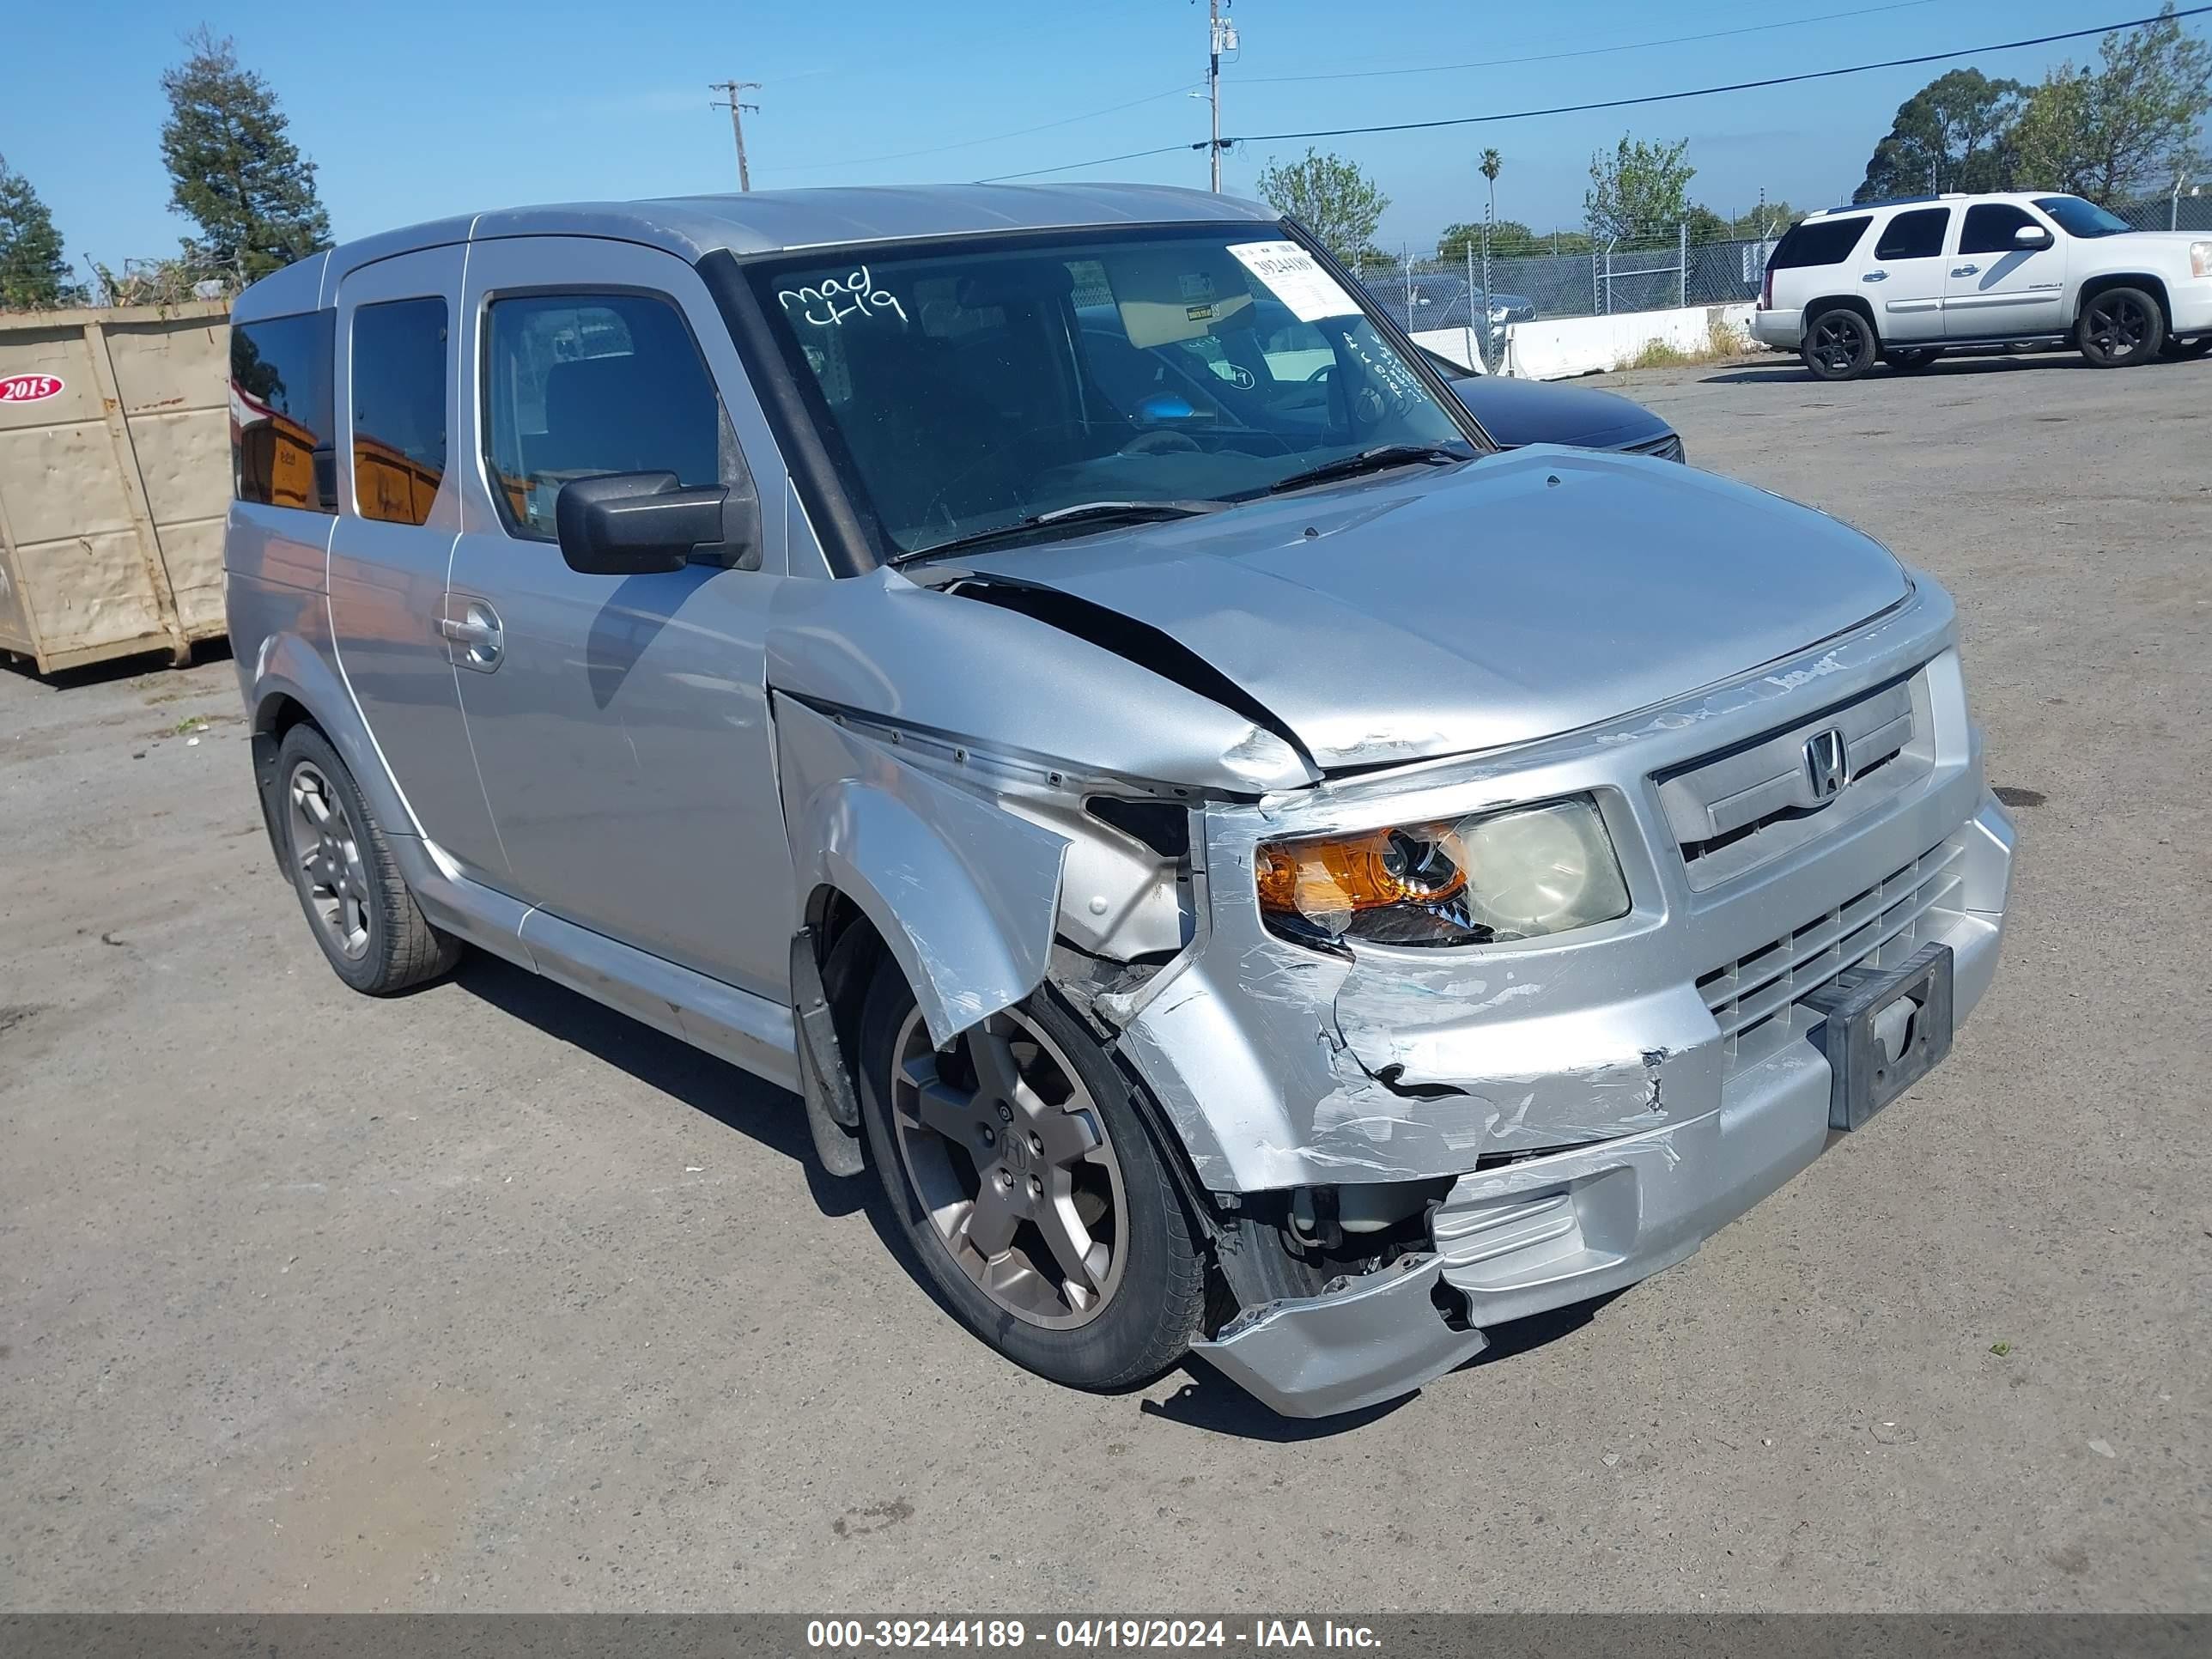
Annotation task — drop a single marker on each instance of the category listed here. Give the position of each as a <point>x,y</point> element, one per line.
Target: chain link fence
<point>1657,269</point>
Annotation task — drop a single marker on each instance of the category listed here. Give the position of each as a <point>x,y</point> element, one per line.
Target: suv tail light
<point>1766,288</point>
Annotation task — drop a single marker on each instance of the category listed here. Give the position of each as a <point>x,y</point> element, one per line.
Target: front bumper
<point>2192,304</point>
<point>1781,329</point>
<point>1545,1233</point>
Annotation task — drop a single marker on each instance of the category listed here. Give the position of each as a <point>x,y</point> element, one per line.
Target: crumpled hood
<point>1428,613</point>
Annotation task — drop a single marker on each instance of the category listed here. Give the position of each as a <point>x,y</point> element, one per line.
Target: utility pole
<point>1221,36</point>
<point>730,89</point>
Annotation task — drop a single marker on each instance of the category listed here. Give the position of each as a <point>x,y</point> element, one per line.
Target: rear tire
<point>2120,328</point>
<point>357,904</point>
<point>1058,1170</point>
<point>1911,360</point>
<point>1839,344</point>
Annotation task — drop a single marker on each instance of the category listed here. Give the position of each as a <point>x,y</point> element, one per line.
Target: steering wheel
<point>1321,374</point>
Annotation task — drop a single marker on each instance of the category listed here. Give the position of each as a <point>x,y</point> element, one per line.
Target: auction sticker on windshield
<point>1288,270</point>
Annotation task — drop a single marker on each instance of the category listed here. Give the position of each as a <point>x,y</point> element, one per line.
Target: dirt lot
<point>486,1298</point>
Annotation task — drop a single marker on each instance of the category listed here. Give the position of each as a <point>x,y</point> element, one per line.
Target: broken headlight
<point>1516,874</point>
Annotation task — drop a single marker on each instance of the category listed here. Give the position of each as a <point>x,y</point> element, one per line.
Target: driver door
<point>620,723</point>
<point>1997,289</point>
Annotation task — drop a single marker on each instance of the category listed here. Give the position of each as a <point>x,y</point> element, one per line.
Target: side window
<point>398,388</point>
<point>282,417</point>
<point>1819,242</point>
<point>1915,236</point>
<point>1989,228</point>
<point>579,385</point>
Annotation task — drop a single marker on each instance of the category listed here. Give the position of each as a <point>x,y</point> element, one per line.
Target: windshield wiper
<point>1082,516</point>
<point>1380,458</point>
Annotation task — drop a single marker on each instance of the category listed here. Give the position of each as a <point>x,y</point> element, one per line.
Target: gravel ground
<point>484,1297</point>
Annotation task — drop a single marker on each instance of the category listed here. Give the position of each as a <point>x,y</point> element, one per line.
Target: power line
<point>1620,103</point>
<point>1586,51</point>
<point>991,138</point>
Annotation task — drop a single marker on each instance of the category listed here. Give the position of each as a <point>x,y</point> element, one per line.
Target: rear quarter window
<point>1819,242</point>
<point>282,413</point>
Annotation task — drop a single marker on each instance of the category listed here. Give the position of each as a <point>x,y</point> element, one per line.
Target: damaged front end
<point>1393,1142</point>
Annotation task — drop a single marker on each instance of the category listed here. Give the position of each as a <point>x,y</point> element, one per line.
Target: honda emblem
<point>1826,764</point>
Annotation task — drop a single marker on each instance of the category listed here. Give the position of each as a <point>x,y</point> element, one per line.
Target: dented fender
<point>964,895</point>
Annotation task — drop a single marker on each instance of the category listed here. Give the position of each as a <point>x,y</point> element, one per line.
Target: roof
<point>767,222</point>
<point>1947,196</point>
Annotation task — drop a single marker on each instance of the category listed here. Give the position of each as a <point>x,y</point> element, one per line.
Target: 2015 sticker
<point>29,388</point>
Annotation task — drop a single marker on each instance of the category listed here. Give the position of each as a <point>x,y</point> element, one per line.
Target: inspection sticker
<point>29,388</point>
<point>1288,269</point>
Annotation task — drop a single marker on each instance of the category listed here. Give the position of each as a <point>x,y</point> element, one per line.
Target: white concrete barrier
<point>1462,345</point>
<point>1556,348</point>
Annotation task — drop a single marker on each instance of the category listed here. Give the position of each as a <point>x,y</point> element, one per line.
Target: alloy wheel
<point>331,870</point>
<point>2117,325</point>
<point>1010,1159</point>
<point>1837,340</point>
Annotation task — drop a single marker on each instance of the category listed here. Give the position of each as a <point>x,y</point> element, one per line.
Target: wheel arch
<point>2105,282</point>
<point>293,685</point>
<point>1844,301</point>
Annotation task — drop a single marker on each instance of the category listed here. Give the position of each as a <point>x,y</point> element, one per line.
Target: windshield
<point>965,388</point>
<point>2079,218</point>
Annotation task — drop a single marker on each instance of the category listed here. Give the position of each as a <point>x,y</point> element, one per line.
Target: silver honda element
<point>1256,871</point>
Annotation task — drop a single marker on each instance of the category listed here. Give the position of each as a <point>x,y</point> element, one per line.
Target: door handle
<point>1875,276</point>
<point>1964,271</point>
<point>476,630</point>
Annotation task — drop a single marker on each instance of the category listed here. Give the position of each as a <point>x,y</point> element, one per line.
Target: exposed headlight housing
<point>1521,873</point>
<point>2200,258</point>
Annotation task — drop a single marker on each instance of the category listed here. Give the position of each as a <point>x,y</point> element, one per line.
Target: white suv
<point>1902,281</point>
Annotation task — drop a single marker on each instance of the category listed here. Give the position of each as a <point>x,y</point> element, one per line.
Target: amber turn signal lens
<point>1369,872</point>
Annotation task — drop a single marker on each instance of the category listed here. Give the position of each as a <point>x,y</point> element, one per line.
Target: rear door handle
<point>1875,276</point>
<point>476,630</point>
<point>1964,271</point>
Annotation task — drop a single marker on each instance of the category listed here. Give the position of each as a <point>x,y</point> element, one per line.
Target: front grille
<point>1735,810</point>
<point>1666,448</point>
<point>1758,999</point>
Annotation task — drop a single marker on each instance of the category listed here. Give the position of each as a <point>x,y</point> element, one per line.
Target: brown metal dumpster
<point>114,478</point>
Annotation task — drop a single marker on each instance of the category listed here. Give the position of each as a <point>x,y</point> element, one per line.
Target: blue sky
<point>416,110</point>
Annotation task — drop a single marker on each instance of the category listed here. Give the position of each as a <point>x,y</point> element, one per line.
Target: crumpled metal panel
<point>1524,595</point>
<point>1282,1066</point>
<point>882,645</point>
<point>966,895</point>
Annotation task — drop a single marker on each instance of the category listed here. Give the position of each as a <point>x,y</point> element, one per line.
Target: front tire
<point>357,904</point>
<point>1839,344</point>
<point>2120,328</point>
<point>1029,1190</point>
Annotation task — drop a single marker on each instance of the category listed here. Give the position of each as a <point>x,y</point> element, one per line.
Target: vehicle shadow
<point>735,1098</point>
<point>1789,369</point>
<point>1210,1401</point>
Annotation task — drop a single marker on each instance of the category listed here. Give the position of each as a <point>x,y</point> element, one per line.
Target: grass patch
<point>1721,344</point>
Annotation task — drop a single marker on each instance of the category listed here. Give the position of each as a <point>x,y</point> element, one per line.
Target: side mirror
<point>2031,236</point>
<point>637,524</point>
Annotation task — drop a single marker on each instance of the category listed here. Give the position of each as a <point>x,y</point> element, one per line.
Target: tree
<point>1330,196</point>
<point>1952,134</point>
<point>234,169</point>
<point>2127,129</point>
<point>32,272</point>
<point>1639,192</point>
<point>1509,239</point>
